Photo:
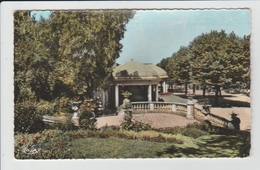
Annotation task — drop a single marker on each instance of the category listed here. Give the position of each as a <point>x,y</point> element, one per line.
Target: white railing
<point>159,107</point>
<point>179,108</point>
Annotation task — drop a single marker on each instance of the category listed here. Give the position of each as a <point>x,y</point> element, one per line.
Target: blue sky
<point>156,34</point>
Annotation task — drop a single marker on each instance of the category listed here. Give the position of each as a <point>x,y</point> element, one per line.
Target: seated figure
<point>235,121</point>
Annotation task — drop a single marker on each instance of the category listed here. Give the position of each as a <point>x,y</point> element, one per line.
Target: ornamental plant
<point>128,124</point>
<point>55,144</point>
<point>87,117</point>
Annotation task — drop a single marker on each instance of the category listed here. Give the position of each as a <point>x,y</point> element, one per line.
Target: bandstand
<point>142,80</point>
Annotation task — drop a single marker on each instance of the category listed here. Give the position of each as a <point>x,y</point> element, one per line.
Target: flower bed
<point>52,144</point>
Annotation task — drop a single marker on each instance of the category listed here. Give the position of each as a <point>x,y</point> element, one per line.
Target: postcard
<point>119,83</point>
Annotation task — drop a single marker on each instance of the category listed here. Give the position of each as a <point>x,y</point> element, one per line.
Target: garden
<point>133,140</point>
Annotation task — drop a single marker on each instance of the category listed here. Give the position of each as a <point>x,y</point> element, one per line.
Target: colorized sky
<point>156,34</point>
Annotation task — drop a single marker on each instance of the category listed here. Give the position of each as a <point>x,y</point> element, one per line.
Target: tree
<point>178,67</point>
<point>68,54</point>
<point>215,57</point>
<point>164,63</point>
<point>25,117</point>
<point>90,44</point>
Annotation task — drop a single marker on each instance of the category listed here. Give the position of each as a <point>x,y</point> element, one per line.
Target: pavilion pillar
<point>156,92</point>
<point>150,93</point>
<point>164,87</point>
<point>116,96</point>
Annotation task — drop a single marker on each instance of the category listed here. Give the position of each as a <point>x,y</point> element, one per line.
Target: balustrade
<point>178,108</point>
<point>159,107</point>
<point>220,121</point>
<point>199,115</point>
<point>216,120</point>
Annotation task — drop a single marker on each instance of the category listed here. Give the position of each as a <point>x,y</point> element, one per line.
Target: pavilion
<point>141,79</point>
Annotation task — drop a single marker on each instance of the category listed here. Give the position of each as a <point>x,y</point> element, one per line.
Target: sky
<point>156,34</point>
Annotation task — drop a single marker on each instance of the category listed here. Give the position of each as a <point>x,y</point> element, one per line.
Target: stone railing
<point>214,119</point>
<point>159,107</point>
<point>199,114</point>
<point>183,109</point>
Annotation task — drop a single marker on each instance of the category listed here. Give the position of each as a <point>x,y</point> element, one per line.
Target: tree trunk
<point>204,90</point>
<point>194,90</point>
<point>217,87</point>
<point>186,88</point>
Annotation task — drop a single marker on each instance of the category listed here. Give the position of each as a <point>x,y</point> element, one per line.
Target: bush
<point>26,119</point>
<point>50,144</point>
<point>45,108</point>
<point>87,117</point>
<point>128,124</point>
<point>55,144</point>
<point>194,132</point>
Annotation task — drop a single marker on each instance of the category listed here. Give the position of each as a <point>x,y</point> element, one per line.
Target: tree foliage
<point>178,66</point>
<point>69,54</point>
<point>214,58</point>
<point>218,58</point>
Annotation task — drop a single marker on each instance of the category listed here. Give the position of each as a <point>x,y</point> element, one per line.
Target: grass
<point>117,144</point>
<point>116,148</point>
<point>207,146</point>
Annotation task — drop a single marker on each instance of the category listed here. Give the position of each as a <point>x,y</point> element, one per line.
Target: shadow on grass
<point>213,146</point>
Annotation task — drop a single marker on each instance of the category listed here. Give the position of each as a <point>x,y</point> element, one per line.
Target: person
<point>205,106</point>
<point>235,121</point>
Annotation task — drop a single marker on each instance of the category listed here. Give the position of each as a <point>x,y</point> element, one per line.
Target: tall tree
<point>90,44</point>
<point>217,58</point>
<point>178,67</point>
<point>70,53</point>
<point>214,59</point>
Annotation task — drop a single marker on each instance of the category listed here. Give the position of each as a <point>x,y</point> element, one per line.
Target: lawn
<point>55,144</point>
<point>206,146</point>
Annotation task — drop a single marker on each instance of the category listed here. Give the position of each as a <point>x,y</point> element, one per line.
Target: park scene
<point>102,84</point>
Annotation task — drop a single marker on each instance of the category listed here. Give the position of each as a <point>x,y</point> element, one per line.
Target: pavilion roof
<point>141,71</point>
